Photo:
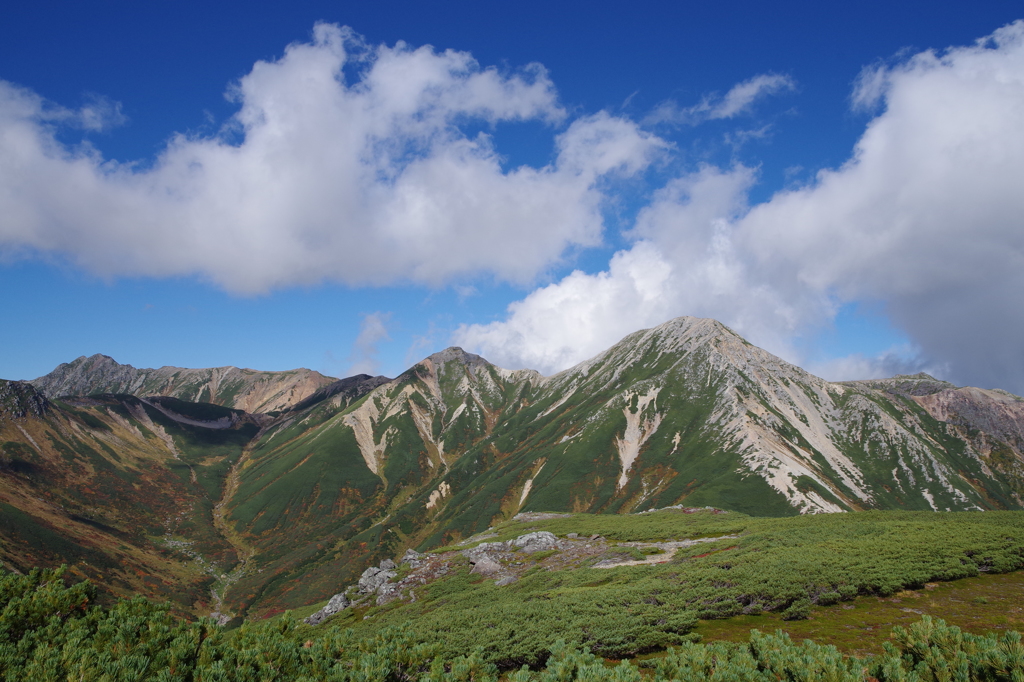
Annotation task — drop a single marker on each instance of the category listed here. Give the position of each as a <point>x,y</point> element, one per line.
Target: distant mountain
<point>243,389</point>
<point>349,389</point>
<point>685,413</point>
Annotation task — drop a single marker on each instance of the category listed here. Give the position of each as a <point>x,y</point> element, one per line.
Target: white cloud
<point>369,182</point>
<point>897,360</point>
<point>742,96</point>
<point>684,262</point>
<point>373,330</point>
<point>927,217</point>
<point>560,324</point>
<point>738,101</point>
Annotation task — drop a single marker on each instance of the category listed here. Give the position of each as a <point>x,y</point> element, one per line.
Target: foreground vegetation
<point>563,622</point>
<point>980,605</point>
<point>782,566</point>
<point>49,632</point>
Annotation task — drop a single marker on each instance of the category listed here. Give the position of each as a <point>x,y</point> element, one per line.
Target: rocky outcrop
<point>19,399</point>
<point>336,604</point>
<point>412,558</point>
<point>540,541</point>
<point>374,577</point>
<point>506,562</point>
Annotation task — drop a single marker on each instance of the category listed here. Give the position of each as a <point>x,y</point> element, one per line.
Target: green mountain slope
<point>685,413</point>
<point>359,470</point>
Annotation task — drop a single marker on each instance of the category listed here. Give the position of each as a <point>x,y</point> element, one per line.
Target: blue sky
<point>658,159</point>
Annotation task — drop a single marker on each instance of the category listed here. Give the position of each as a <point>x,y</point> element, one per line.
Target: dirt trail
<point>668,551</point>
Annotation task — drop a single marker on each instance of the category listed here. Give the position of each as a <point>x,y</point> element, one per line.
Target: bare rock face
<point>336,604</point>
<point>539,541</point>
<point>19,399</point>
<point>373,577</point>
<point>412,557</point>
<point>484,565</point>
<point>387,592</point>
<point>998,414</point>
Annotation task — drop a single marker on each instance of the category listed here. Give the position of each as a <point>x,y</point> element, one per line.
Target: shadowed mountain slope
<point>123,488</point>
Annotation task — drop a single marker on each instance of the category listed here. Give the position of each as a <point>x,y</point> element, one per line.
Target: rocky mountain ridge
<point>687,413</point>
<point>244,389</point>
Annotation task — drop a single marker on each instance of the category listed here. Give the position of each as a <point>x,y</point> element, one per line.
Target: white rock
<point>538,541</point>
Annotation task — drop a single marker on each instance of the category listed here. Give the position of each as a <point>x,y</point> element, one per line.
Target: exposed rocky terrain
<point>503,562</point>
<point>242,389</point>
<point>354,472</point>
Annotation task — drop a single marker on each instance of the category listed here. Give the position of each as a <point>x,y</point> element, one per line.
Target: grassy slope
<point>777,565</point>
<point>306,478</point>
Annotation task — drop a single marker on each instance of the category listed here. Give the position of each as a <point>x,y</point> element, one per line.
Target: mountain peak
<point>94,361</point>
<point>457,355</point>
<point>919,384</point>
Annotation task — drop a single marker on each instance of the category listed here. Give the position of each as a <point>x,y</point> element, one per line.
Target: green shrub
<point>798,610</point>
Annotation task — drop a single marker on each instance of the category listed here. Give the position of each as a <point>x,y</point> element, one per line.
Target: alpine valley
<point>246,493</point>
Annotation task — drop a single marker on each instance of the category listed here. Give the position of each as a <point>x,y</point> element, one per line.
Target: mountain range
<point>246,492</point>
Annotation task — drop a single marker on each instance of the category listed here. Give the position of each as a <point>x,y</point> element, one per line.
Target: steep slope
<point>121,487</point>
<point>350,389</point>
<point>326,487</point>
<point>990,422</point>
<point>690,411</point>
<point>243,389</point>
<point>685,413</point>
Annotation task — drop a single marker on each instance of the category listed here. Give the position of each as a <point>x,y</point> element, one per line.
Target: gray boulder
<point>492,546</point>
<point>412,557</point>
<point>483,549</point>
<point>372,578</point>
<point>483,564</point>
<point>337,603</point>
<point>538,541</point>
<point>387,565</point>
<point>387,592</point>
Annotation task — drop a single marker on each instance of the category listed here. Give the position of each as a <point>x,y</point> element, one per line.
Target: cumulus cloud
<point>318,178</point>
<point>685,261</point>
<point>927,216</point>
<point>738,100</point>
